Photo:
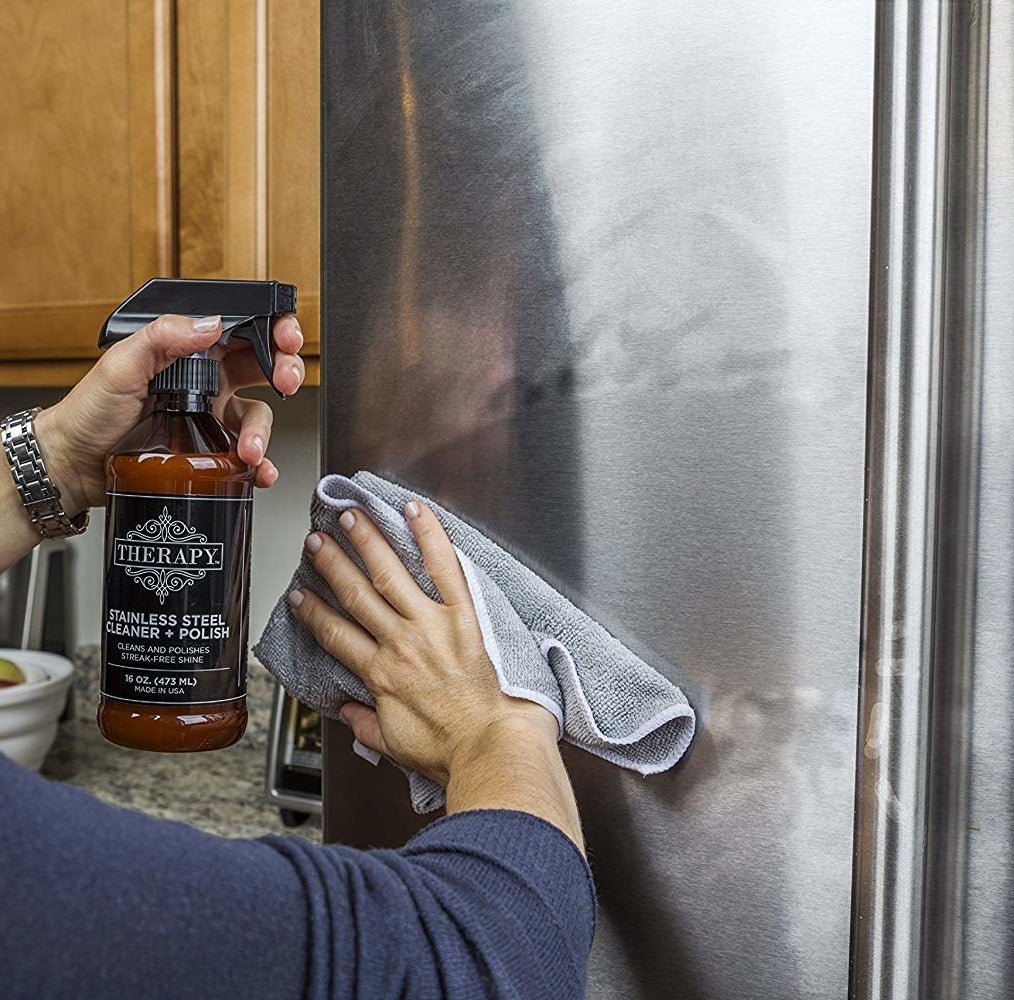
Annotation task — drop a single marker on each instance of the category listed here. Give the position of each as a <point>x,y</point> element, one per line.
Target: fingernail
<point>411,509</point>
<point>313,542</point>
<point>299,330</point>
<point>343,715</point>
<point>298,372</point>
<point>347,520</point>
<point>259,443</point>
<point>206,324</point>
<point>295,598</point>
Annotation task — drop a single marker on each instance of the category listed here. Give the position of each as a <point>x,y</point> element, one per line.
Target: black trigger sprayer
<point>247,309</point>
<point>178,516</point>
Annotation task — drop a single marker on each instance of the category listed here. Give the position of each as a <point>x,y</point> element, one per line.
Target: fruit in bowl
<point>31,702</point>
<point>10,673</point>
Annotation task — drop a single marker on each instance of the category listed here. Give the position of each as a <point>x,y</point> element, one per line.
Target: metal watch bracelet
<point>39,494</point>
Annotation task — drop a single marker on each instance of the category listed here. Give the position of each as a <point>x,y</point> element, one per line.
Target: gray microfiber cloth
<point>605,699</point>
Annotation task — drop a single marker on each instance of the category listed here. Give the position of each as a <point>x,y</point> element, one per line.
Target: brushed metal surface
<point>595,275</point>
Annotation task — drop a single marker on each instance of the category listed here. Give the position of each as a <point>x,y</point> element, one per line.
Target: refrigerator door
<point>595,276</point>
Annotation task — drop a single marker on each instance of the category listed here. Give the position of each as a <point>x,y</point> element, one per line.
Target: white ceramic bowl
<point>29,711</point>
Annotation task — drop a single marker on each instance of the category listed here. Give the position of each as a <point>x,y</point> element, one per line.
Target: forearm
<point>515,767</point>
<point>17,535</point>
<point>100,901</point>
<point>481,904</point>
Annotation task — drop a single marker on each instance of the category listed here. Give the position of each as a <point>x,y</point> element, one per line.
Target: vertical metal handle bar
<point>906,328</point>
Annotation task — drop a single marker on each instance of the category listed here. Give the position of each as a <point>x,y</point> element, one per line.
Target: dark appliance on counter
<point>36,600</point>
<point>295,754</point>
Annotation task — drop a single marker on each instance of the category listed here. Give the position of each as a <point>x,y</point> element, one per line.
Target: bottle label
<point>176,601</point>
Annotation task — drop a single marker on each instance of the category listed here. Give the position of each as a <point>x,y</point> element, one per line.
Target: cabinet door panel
<point>249,141</point>
<point>86,181</point>
<point>221,136</point>
<point>293,155</point>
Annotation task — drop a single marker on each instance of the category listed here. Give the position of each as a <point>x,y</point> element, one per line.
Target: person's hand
<point>76,434</point>
<point>438,702</point>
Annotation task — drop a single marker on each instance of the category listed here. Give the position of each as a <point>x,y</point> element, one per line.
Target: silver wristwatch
<point>39,494</point>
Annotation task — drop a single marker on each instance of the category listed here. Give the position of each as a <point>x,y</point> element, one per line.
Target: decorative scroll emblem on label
<point>165,555</point>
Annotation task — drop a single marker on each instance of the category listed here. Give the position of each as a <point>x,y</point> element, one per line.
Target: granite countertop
<point>222,791</point>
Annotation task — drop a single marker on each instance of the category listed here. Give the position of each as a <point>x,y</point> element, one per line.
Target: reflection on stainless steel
<point>934,888</point>
<point>596,277</point>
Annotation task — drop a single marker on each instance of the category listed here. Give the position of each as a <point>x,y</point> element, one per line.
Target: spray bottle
<point>178,518</point>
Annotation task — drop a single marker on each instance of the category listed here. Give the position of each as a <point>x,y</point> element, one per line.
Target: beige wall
<point>281,514</point>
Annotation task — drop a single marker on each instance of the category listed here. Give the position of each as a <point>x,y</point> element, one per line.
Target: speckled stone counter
<point>222,791</point>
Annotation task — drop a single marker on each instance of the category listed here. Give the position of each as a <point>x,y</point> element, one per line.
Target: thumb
<point>365,723</point>
<point>131,364</point>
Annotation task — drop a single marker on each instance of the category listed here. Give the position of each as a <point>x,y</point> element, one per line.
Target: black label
<point>174,628</point>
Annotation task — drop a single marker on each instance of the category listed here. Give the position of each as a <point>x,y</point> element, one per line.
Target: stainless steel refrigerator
<point>705,310</point>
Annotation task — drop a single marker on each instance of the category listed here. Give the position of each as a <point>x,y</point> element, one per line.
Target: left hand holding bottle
<point>76,434</point>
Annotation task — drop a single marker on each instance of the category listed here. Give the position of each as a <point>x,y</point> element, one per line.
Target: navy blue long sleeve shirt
<point>97,901</point>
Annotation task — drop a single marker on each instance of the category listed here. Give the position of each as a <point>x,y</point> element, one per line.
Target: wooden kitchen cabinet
<point>152,137</point>
<point>85,179</point>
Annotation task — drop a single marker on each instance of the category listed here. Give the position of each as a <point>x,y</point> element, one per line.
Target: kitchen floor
<point>221,792</point>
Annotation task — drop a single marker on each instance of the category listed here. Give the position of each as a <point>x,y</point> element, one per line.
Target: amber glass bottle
<point>179,509</point>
